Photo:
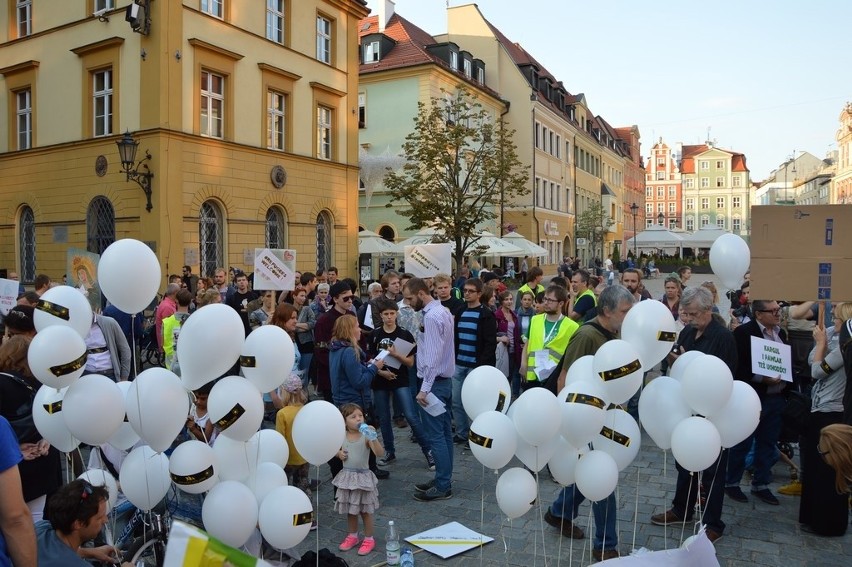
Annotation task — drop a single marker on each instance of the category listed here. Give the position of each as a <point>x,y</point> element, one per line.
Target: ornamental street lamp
<point>634,208</point>
<point>127,153</point>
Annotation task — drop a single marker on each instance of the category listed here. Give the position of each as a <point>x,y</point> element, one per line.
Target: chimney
<point>385,11</point>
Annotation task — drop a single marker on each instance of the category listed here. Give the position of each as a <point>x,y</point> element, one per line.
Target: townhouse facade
<point>716,189</point>
<point>841,185</point>
<point>663,188</point>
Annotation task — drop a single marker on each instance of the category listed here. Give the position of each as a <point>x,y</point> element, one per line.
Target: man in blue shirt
<point>17,537</point>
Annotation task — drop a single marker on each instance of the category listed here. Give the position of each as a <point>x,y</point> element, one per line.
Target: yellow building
<point>841,185</point>
<point>247,109</point>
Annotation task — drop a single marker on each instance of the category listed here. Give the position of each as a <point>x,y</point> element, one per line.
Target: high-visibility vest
<point>555,346</point>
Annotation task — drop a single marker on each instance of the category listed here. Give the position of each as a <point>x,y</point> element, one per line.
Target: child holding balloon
<point>293,399</point>
<point>357,486</point>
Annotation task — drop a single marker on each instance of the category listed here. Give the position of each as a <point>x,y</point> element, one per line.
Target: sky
<point>767,78</point>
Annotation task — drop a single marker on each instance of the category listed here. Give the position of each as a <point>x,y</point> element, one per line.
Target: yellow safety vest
<point>555,346</point>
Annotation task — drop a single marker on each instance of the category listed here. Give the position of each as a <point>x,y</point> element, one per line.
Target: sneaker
<point>567,527</point>
<point>367,546</point>
<point>348,543</point>
<point>433,494</point>
<point>666,518</point>
<point>430,461</point>
<point>424,486</point>
<point>604,554</point>
<point>792,489</point>
<point>736,493</point>
<point>387,459</point>
<point>766,495</point>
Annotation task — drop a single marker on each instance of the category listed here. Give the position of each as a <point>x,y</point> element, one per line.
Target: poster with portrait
<point>82,273</point>
<point>274,269</point>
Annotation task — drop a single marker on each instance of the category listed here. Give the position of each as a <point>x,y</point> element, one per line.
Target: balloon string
<point>316,508</point>
<point>538,507</point>
<point>635,513</point>
<point>481,514</point>
<point>588,531</point>
<point>666,477</point>
<point>570,543</point>
<point>710,490</point>
<point>692,478</point>
<point>135,369</point>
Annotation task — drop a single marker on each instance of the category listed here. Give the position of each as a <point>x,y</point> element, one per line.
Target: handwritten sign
<point>8,295</point>
<point>448,540</point>
<point>274,269</point>
<point>427,260</point>
<point>772,359</point>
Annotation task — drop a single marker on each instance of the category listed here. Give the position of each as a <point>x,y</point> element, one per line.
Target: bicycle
<point>151,353</point>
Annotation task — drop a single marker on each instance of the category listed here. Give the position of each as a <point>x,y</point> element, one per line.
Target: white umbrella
<point>371,243</point>
<point>655,236</point>
<point>422,237</point>
<point>704,237</point>
<point>528,247</point>
<point>491,245</point>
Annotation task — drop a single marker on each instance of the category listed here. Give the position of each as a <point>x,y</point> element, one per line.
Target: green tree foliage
<point>461,163</point>
<point>592,224</point>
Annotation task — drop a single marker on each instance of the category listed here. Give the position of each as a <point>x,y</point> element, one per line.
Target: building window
<point>210,238</point>
<point>454,60</point>
<point>213,7</point>
<point>649,208</point>
<point>212,105</point>
<point>324,235</point>
<point>100,225</point>
<point>720,164</point>
<point>705,203</point>
<point>661,162</point>
<point>468,68</point>
<point>705,182</point>
<point>27,244</point>
<point>323,132</point>
<point>672,207</point>
<point>689,183</point>
<point>362,110</point>
<point>735,202</point>
<point>720,181</point>
<point>24,17</point>
<point>661,192</point>
<point>736,181</point>
<point>720,222</point>
<point>661,207</point>
<point>649,192</point>
<point>705,221</point>
<point>649,223</point>
<point>103,5</point>
<point>672,191</point>
<point>736,224</point>
<point>661,176</point>
<point>544,134</point>
<point>24,118</point>
<point>371,52</point>
<point>558,147</point>
<point>102,102</point>
<point>480,75</point>
<point>567,152</point>
<point>276,229</point>
<point>690,224</point>
<point>705,164</point>
<point>690,204</point>
<point>276,114</point>
<point>324,39</point>
<point>275,20</point>
<point>720,202</point>
<point>672,224</point>
<point>551,150</point>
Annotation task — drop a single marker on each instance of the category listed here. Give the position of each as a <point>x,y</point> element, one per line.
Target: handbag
<point>22,421</point>
<point>796,411</point>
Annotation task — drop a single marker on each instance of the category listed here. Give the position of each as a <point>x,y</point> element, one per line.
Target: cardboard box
<point>801,253</point>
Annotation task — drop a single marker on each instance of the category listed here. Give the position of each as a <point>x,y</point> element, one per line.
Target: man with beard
<point>631,278</point>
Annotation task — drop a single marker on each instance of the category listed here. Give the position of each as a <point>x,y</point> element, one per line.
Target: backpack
<point>325,559</point>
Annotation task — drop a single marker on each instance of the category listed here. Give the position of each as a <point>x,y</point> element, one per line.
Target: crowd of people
<point>390,359</point>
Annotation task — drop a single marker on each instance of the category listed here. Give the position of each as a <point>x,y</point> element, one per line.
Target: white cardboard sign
<point>448,540</point>
<point>274,269</point>
<point>772,359</point>
<point>8,295</point>
<point>427,260</point>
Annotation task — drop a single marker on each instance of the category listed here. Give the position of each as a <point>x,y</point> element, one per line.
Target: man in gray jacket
<point>108,351</point>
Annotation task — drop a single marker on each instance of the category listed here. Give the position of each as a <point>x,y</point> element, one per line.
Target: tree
<point>592,224</point>
<point>461,166</point>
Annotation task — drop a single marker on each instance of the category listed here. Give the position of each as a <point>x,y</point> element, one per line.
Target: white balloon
<point>661,408</point>
<point>157,407</point>
<point>265,479</point>
<point>239,460</point>
<point>730,258</point>
<point>125,437</point>
<point>537,415</point>
<point>318,431</point>
<point>233,458</point>
<point>707,384</point>
<point>617,363</point>
<point>739,417</point>
<point>144,477</point>
<point>49,419</point>
<point>210,343</point>
<point>485,389</point>
<point>620,438</point>
<point>267,355</point>
<point>268,446</point>
<point>535,457</point>
<point>100,477</point>
<point>651,329</point>
<point>285,516</point>
<point>229,512</point>
<point>57,356</point>
<point>65,306</point>
<point>597,475</point>
<point>492,439</point>
<point>516,492</point>
<point>582,370</point>
<point>93,408</point>
<point>236,407</point>
<point>682,361</point>
<point>583,410</point>
<point>563,463</point>
<point>129,275</point>
<point>193,467</point>
<point>696,443</point>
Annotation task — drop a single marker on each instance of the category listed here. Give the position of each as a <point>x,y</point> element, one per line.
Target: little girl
<point>357,486</point>
<point>293,399</point>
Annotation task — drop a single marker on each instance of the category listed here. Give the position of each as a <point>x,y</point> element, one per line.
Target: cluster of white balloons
<point>243,472</point>
<point>698,410</point>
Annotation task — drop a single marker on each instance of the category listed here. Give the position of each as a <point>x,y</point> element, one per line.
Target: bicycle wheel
<point>143,552</point>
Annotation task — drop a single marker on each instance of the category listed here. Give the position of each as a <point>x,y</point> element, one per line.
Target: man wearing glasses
<point>704,334</point>
<point>770,389</point>
<point>341,296</point>
<point>549,334</point>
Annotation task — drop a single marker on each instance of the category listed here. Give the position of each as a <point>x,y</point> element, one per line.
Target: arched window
<point>210,238</point>
<point>276,228</point>
<point>324,236</point>
<point>27,244</point>
<point>100,225</point>
<point>387,233</point>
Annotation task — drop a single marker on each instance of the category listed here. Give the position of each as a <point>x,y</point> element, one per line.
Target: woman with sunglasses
<point>822,510</point>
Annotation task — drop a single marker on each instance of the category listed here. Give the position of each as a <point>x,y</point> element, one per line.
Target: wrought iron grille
<point>210,238</point>
<point>27,245</point>
<point>100,225</point>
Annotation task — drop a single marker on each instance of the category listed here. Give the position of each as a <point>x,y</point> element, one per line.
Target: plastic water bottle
<point>368,432</point>
<point>407,558</point>
<point>392,545</point>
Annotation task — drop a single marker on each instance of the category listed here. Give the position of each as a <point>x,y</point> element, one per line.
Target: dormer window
<point>480,75</point>
<point>468,68</point>
<point>454,61</point>
<point>371,52</point>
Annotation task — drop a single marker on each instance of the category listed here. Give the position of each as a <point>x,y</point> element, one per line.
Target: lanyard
<point>553,330</point>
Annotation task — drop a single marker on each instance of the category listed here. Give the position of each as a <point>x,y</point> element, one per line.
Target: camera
<point>741,312</point>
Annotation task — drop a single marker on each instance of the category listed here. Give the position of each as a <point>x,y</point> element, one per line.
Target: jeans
<point>403,400</point>
<point>765,439</point>
<point>439,432</point>
<point>569,500</point>
<point>459,415</point>
<point>304,366</point>
<point>686,492</point>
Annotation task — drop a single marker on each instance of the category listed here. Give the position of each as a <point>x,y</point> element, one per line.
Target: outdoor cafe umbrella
<point>528,247</point>
<point>371,243</point>
<point>487,244</point>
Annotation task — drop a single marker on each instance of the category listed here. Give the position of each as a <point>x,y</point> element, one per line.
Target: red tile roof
<point>738,160</point>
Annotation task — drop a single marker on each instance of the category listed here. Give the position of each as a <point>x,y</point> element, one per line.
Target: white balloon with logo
<point>65,306</point>
<point>50,421</point>
<point>583,411</point>
<point>651,329</point>
<point>266,356</point>
<point>193,467</point>
<point>236,407</point>
<point>485,389</point>
<point>285,516</point>
<point>57,356</point>
<point>617,363</point>
<point>492,439</point>
<point>620,437</point>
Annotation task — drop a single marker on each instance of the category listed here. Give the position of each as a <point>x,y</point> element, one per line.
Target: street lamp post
<point>634,208</point>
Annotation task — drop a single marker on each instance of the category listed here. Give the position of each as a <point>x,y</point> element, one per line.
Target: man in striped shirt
<point>435,368</point>
<point>476,345</point>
